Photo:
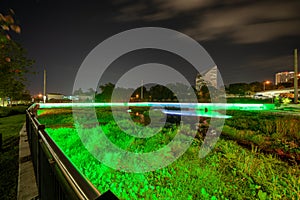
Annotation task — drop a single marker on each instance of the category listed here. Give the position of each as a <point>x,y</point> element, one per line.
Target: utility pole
<point>45,76</point>
<point>295,76</point>
<point>142,95</point>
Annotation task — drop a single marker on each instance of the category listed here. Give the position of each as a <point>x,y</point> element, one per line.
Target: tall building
<point>283,77</point>
<point>209,78</point>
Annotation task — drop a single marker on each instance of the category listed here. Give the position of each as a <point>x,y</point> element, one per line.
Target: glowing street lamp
<point>38,97</point>
<point>266,82</point>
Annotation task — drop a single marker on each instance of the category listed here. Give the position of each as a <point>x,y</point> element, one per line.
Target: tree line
<point>165,93</point>
<point>154,92</point>
<point>248,88</point>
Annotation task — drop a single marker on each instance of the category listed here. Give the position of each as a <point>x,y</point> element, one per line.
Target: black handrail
<point>56,176</point>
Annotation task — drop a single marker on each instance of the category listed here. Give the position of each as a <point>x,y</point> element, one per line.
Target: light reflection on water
<point>199,113</point>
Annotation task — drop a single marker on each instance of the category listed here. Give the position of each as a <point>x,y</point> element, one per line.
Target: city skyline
<point>246,42</point>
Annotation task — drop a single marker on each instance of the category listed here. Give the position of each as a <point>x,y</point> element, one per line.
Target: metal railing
<point>56,177</point>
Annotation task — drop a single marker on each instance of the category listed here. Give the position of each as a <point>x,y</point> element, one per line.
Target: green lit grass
<point>271,132</point>
<point>9,165</point>
<point>228,172</point>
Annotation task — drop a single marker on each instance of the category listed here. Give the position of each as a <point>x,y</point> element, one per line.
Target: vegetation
<point>230,171</point>
<point>9,111</point>
<point>274,133</point>
<point>13,62</point>
<point>169,93</point>
<point>247,100</point>
<point>9,156</point>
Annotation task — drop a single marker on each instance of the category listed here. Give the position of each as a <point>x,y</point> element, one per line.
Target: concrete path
<point>27,188</point>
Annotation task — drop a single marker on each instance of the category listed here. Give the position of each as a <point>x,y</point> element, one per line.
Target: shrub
<point>15,110</point>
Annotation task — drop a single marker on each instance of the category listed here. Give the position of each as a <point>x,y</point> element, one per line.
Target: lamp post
<point>45,80</point>
<point>295,76</point>
<point>266,82</point>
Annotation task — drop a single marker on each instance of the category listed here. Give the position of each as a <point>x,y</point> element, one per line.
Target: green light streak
<point>197,106</point>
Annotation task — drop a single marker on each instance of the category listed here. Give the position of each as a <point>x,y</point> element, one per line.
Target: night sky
<point>248,40</point>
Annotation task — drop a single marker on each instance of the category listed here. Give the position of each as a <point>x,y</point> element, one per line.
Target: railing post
<point>0,142</point>
<point>39,156</point>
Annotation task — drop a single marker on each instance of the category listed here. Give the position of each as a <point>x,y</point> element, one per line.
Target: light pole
<point>142,92</point>
<point>295,76</point>
<point>45,81</point>
<point>266,82</point>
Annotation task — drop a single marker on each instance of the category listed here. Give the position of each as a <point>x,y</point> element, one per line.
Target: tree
<point>256,86</point>
<point>204,94</point>
<point>90,92</point>
<point>122,94</point>
<point>106,92</point>
<point>238,88</point>
<point>13,62</point>
<point>138,92</point>
<point>160,92</point>
<point>78,92</point>
<point>285,85</point>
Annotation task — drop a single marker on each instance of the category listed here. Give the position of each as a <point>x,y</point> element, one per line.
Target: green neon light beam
<point>197,106</point>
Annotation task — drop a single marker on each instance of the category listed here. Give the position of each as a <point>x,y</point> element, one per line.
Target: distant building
<point>209,78</point>
<point>72,98</point>
<point>283,77</point>
<point>80,98</point>
<point>54,96</point>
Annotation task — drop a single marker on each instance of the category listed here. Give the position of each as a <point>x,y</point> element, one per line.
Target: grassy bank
<point>228,172</point>
<point>270,132</point>
<point>9,156</point>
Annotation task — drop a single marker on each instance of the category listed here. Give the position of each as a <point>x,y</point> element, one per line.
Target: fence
<point>56,177</point>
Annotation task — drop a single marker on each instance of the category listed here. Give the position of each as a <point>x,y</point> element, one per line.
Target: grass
<point>271,132</point>
<point>228,172</point>
<point>247,100</point>
<point>9,156</point>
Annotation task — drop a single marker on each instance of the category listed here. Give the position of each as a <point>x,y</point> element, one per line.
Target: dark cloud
<point>248,23</point>
<point>156,10</point>
<point>241,21</point>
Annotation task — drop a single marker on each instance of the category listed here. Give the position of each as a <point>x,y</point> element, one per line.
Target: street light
<point>266,82</point>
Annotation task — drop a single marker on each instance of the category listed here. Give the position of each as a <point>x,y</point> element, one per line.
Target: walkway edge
<point>27,188</point>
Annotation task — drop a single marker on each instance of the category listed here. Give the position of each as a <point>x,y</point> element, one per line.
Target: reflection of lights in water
<point>195,113</point>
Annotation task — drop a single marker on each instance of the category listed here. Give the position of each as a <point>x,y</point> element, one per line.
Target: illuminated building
<point>209,78</point>
<point>283,77</point>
